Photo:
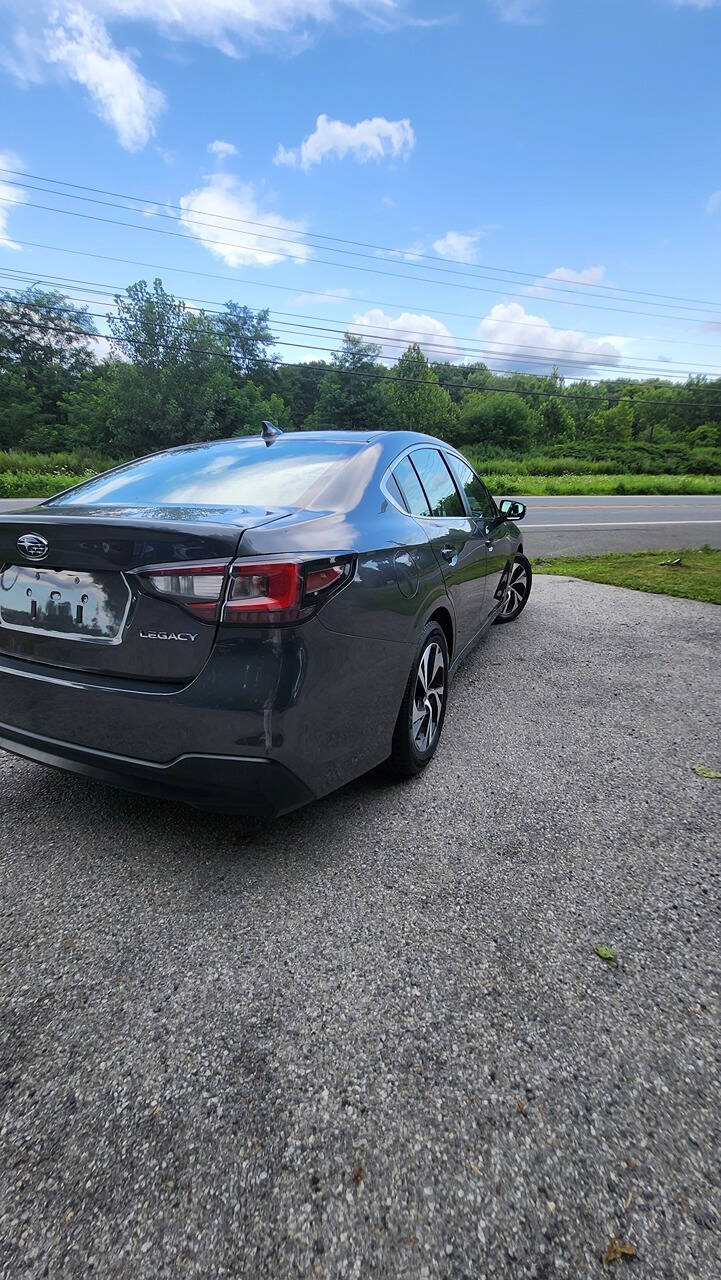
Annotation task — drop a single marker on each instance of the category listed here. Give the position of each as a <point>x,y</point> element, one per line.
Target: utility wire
<point>323,293</point>
<point>432,344</point>
<point>547,285</point>
<point>348,266</point>
<point>393,376</point>
<point>482,270</point>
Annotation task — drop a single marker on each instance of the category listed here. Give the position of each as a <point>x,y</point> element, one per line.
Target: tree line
<point>173,375</point>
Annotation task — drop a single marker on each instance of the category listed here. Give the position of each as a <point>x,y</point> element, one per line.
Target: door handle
<point>448,553</point>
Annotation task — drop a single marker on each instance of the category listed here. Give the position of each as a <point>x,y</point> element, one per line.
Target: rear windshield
<point>243,473</point>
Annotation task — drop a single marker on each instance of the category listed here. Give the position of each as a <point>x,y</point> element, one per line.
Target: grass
<point>510,485</point>
<point>40,475</point>
<point>696,575</point>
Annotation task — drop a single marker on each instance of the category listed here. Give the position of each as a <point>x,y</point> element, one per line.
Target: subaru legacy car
<point>248,624</point>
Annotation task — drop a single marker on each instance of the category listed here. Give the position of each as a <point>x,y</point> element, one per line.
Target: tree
<point>247,338</point>
<point>613,426</point>
<point>497,418</point>
<point>554,422</point>
<point>175,383</point>
<point>351,394</point>
<point>150,326</point>
<point>299,385</point>
<point>45,349</point>
<point>417,400</point>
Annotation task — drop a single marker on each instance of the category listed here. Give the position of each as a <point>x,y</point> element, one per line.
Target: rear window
<point>242,473</point>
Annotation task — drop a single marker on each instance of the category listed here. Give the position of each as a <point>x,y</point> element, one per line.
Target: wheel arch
<point>442,616</point>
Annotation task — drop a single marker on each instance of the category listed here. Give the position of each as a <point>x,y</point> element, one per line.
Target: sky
<point>507,180</point>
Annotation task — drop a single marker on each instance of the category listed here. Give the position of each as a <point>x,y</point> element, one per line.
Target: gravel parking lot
<point>373,1039</point>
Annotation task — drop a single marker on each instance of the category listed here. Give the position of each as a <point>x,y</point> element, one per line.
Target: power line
<point>301,237</point>
<point>393,376</point>
<point>323,293</point>
<point>347,266</point>
<point>432,344</point>
<point>482,271</point>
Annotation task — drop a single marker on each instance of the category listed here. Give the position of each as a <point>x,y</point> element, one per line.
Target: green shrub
<point>36,484</point>
<point>80,462</point>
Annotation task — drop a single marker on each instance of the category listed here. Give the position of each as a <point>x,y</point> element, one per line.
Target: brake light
<point>265,592</point>
<point>197,587</point>
<point>275,592</point>
<point>262,588</point>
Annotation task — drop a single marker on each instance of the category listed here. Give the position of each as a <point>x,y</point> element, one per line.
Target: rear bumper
<point>274,719</point>
<point>233,784</point>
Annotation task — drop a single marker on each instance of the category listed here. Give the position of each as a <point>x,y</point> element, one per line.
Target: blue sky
<point>491,144</point>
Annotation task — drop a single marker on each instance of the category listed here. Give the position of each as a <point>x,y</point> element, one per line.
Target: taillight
<point>197,587</point>
<point>265,589</point>
<point>282,591</point>
<point>265,592</point>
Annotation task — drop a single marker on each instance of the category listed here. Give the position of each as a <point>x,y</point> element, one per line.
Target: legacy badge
<point>168,635</point>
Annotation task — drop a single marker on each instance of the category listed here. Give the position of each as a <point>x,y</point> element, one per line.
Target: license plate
<point>55,602</point>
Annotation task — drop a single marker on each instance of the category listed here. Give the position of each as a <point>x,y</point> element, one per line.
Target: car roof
<point>399,439</point>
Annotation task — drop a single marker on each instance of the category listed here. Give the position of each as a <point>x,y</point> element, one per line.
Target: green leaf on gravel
<point>702,771</point>
<point>606,953</point>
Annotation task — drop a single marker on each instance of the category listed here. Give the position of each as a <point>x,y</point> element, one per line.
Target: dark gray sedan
<point>248,624</point>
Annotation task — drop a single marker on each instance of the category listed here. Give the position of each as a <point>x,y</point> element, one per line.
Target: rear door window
<point>438,483</point>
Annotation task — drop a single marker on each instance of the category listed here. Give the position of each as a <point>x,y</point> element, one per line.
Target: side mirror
<point>512,510</point>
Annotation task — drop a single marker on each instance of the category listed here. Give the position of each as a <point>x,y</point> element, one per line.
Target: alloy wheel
<point>428,697</point>
<point>517,589</point>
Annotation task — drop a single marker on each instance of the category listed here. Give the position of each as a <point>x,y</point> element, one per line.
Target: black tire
<point>517,591</point>
<point>419,726</point>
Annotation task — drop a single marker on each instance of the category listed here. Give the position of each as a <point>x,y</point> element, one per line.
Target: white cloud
<point>223,150</point>
<point>374,139</point>
<point>223,198</point>
<point>462,246</point>
<point>713,204</point>
<point>121,96</point>
<point>75,35</point>
<point>521,337</point>
<point>8,161</point>
<point>394,333</point>
<point>226,23</point>
<point>566,275</point>
<point>591,275</point>
<point>696,4</point>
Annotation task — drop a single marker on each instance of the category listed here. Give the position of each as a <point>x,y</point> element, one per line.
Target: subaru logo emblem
<point>33,546</point>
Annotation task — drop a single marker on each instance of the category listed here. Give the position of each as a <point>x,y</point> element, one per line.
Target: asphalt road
<point>585,526</point>
<point>373,1039</point>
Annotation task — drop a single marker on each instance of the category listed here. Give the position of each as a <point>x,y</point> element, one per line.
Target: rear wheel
<point>420,719</point>
<point>517,591</point>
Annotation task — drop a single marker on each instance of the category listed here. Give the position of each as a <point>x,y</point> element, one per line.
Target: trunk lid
<point>78,603</point>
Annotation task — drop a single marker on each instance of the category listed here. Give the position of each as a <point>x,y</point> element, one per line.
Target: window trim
<point>442,449</point>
